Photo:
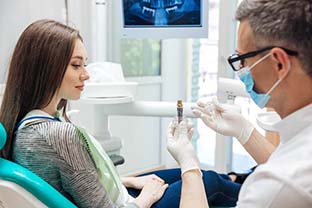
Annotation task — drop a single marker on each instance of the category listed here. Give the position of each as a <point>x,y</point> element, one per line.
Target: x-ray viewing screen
<point>162,13</point>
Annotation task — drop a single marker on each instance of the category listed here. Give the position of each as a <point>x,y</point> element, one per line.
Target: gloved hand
<point>224,119</point>
<point>180,147</point>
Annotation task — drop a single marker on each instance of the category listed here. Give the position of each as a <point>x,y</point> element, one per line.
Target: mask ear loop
<point>279,81</point>
<point>247,69</point>
<point>289,66</point>
<point>257,62</point>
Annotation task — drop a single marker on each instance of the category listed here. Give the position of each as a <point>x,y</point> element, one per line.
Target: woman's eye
<point>76,66</point>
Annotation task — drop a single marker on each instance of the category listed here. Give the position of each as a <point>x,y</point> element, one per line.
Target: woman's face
<point>75,75</point>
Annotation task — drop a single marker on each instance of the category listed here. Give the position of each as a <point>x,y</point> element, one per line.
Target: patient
<point>47,69</point>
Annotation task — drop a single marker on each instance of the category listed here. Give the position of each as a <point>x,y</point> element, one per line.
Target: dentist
<point>273,60</point>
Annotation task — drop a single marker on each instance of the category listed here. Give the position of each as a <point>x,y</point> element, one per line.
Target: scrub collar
<point>294,123</point>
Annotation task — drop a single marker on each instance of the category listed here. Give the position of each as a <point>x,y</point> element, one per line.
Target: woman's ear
<point>281,62</point>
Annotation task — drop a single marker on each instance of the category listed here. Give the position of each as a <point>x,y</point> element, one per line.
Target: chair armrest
<point>13,172</point>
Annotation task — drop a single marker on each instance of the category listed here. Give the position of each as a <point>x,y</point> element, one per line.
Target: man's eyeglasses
<point>237,61</point>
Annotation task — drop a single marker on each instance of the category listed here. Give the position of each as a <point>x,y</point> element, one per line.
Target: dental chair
<point>20,187</point>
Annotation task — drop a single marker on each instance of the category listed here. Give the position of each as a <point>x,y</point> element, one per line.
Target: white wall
<point>16,15</point>
<point>80,17</point>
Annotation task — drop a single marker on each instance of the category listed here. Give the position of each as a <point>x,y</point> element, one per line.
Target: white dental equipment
<point>231,88</point>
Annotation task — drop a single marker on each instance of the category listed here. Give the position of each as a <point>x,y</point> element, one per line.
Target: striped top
<point>55,152</point>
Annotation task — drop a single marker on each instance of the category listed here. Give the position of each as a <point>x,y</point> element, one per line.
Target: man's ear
<point>281,62</point>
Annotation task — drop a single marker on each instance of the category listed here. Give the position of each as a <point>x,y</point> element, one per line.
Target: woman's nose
<point>84,76</point>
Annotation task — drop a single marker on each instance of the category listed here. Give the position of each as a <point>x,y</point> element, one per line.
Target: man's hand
<point>223,119</point>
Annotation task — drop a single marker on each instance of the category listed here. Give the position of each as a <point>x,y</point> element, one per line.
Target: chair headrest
<point>3,136</point>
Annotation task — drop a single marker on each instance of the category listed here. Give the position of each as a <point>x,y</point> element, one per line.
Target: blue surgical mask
<point>245,76</point>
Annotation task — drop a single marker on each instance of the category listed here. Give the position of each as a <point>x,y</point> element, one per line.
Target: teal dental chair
<point>20,187</point>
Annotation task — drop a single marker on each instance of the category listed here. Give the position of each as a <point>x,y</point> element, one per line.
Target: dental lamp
<point>229,89</point>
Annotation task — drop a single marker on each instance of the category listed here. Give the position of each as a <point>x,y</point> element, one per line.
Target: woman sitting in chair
<point>47,69</point>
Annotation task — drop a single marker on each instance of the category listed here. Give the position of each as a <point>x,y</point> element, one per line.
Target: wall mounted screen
<point>164,18</point>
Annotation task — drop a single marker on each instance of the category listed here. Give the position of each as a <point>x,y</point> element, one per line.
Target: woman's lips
<point>80,87</point>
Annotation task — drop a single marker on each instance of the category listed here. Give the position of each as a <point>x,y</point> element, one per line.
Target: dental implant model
<point>179,110</point>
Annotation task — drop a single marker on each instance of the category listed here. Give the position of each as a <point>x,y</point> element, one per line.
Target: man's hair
<point>286,23</point>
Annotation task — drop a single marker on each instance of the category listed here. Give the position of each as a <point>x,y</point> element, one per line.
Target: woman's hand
<point>152,191</point>
<point>140,181</point>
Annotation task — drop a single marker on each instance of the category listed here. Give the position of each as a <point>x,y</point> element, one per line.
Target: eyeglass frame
<point>231,59</point>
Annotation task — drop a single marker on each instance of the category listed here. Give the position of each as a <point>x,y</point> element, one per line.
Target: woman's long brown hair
<point>36,70</point>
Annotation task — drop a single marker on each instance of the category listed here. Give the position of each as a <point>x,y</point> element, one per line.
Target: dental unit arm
<point>124,107</point>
